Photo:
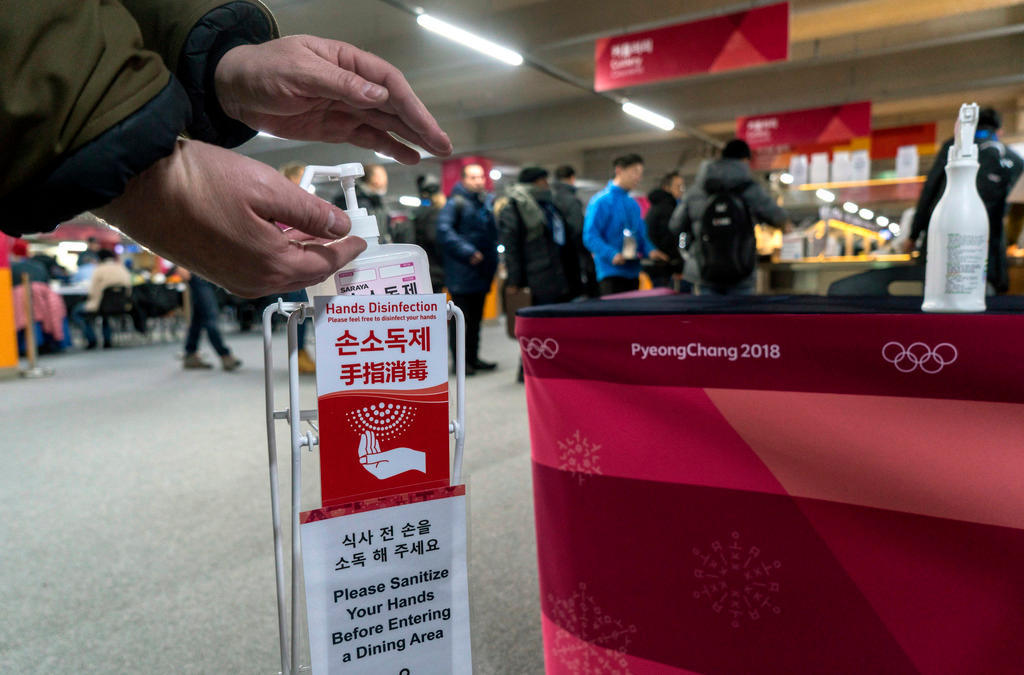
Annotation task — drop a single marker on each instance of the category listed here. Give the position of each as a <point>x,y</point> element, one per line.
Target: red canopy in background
<point>81,231</point>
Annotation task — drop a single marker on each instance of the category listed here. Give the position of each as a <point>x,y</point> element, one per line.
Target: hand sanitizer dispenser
<point>958,230</point>
<point>382,269</point>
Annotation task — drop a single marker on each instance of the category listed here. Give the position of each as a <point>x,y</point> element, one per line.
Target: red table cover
<point>777,493</point>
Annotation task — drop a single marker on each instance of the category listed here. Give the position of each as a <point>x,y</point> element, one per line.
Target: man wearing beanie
<point>539,253</point>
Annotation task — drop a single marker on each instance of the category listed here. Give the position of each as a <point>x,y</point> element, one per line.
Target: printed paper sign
<point>386,589</point>
<point>382,386</point>
<point>728,42</point>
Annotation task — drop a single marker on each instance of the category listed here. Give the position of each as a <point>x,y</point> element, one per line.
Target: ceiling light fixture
<point>464,37</point>
<point>882,221</point>
<point>645,115</point>
<point>786,179</point>
<point>495,174</point>
<point>409,200</point>
<point>850,207</point>
<point>825,195</point>
<point>867,214</point>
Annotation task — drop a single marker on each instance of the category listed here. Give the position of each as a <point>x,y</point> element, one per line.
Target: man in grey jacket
<point>732,174</point>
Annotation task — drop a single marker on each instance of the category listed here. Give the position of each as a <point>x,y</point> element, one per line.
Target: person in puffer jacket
<point>95,96</point>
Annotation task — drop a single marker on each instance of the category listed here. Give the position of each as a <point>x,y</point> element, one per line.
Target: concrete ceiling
<point>916,60</point>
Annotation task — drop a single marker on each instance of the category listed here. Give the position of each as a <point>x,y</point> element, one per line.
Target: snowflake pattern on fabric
<point>737,582</point>
<point>592,642</point>
<point>579,456</point>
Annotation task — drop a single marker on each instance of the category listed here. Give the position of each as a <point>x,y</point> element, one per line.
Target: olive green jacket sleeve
<point>88,100</point>
<point>191,36</point>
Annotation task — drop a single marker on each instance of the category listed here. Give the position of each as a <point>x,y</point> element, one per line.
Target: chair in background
<point>901,280</point>
<point>116,303</point>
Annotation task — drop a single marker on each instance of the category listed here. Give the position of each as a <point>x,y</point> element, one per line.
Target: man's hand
<point>658,254</point>
<point>476,258</point>
<point>213,211</point>
<point>313,89</point>
<point>618,259</point>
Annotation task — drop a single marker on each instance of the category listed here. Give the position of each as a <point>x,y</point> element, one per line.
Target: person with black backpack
<point>717,217</point>
<point>999,168</point>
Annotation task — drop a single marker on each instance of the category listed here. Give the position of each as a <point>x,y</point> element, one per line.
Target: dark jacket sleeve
<point>192,36</point>
<point>679,223</point>
<point>658,219</point>
<point>763,207</point>
<point>450,241</point>
<point>510,235</point>
<point>83,108</point>
<point>87,102</point>
<point>931,192</point>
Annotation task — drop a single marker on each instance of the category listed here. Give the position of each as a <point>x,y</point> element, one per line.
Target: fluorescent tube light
<point>652,118</point>
<point>463,37</point>
<point>409,200</point>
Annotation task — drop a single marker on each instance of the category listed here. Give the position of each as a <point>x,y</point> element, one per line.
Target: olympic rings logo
<point>536,348</point>
<point>919,355</point>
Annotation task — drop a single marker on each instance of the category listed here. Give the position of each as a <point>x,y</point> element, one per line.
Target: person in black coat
<point>664,200</point>
<point>468,240</point>
<point>539,250</point>
<point>563,195</point>
<point>424,220</point>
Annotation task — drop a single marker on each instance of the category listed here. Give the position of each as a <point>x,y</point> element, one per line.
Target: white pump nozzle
<point>963,135</point>
<point>363,224</point>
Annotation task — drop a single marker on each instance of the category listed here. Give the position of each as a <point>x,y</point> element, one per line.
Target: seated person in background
<point>21,264</point>
<point>109,272</point>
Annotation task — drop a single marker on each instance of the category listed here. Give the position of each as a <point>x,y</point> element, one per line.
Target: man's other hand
<point>314,89</point>
<point>214,211</point>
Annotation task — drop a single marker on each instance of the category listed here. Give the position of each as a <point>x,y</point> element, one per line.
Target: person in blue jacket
<point>612,219</point>
<point>468,240</point>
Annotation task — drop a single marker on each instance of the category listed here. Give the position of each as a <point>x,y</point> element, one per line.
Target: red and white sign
<point>830,125</point>
<point>382,385</point>
<point>386,585</point>
<point>720,43</point>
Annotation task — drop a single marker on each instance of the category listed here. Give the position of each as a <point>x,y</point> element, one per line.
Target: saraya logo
<point>919,355</point>
<point>536,348</point>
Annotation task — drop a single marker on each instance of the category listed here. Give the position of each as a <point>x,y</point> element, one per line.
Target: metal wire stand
<point>295,416</point>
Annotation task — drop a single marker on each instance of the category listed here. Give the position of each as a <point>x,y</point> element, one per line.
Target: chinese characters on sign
<point>382,387</point>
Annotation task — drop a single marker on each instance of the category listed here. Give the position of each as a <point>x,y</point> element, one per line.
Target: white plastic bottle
<point>958,231</point>
<point>382,269</point>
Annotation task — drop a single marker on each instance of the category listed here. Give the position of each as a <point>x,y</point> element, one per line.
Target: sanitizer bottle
<point>958,231</point>
<point>382,269</point>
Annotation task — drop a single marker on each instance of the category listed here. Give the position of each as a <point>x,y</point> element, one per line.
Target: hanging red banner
<point>720,43</point>
<point>830,125</point>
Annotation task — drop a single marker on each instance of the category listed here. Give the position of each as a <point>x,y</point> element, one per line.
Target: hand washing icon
<point>389,463</point>
<point>385,421</point>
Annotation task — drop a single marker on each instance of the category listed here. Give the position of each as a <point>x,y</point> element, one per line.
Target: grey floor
<point>135,521</point>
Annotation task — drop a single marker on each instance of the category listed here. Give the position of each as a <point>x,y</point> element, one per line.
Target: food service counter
<point>814,275</point>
